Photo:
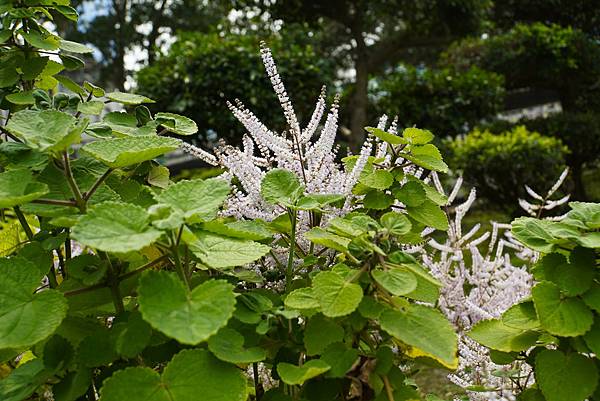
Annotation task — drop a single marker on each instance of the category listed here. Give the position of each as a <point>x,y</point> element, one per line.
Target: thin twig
<point>56,202</point>
<point>96,185</point>
<point>71,181</point>
<point>24,223</point>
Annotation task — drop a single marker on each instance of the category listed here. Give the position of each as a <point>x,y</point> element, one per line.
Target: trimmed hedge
<point>499,165</point>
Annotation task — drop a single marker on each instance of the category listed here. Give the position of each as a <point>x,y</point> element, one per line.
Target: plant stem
<point>97,184</point>
<point>68,245</point>
<point>182,274</point>
<point>72,184</point>
<point>24,223</point>
<point>388,388</point>
<point>56,202</point>
<point>290,264</point>
<point>256,384</point>
<point>113,283</point>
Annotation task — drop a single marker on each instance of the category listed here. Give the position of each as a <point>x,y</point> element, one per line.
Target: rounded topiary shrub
<point>499,165</point>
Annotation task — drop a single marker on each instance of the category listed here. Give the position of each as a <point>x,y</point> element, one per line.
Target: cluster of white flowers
<point>309,152</point>
<point>478,286</point>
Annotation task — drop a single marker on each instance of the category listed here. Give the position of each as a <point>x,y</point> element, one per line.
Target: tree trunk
<point>120,7</point>
<point>359,101</point>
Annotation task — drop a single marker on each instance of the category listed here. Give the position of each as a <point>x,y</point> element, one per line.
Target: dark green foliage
<point>538,56</point>
<point>499,165</point>
<point>580,132</point>
<point>201,72</point>
<point>444,101</point>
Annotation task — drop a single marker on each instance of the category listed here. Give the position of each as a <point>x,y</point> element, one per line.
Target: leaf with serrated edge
<point>190,317</point>
<point>189,375</point>
<point>18,187</point>
<point>115,227</point>
<point>336,296</point>
<point>121,152</point>
<point>291,374</point>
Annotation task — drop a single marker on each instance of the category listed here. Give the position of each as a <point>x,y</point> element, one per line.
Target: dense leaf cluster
<point>557,330</point>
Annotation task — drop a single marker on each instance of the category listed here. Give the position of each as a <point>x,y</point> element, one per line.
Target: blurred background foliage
<point>479,68</point>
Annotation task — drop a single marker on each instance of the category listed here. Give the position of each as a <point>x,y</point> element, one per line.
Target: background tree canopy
<point>449,66</point>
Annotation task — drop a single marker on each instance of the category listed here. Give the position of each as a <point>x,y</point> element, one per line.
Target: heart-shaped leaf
<point>177,124</point>
<point>291,374</point>
<point>561,377</point>
<point>398,281</point>
<point>190,317</point>
<point>228,346</point>
<point>18,187</point>
<point>26,318</point>
<point>115,227</point>
<point>190,374</point>
<point>336,296</point>
<point>196,198</point>
<point>560,315</point>
<point>424,328</point>
<point>46,130</point>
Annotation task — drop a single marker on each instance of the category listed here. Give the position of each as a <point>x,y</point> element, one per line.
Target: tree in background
<point>201,72</point>
<point>120,27</point>
<point>372,35</point>
<point>444,101</point>
<point>542,57</point>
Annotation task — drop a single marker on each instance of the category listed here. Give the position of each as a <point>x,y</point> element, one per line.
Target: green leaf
<point>396,223</point>
<point>281,187</point>
<point>429,214</point>
<point>73,385</point>
<point>124,124</point>
<point>422,327</point>
<point>228,346</point>
<point>560,377</point>
<point>428,288</point>
<point>412,194</point>
<point>573,278</point>
<point>128,98</point>
<point>340,358</point>
<point>159,176</point>
<point>521,316</point>
<point>74,47</point>
<point>47,130</point>
<point>190,317</point>
<point>320,333</point>
<point>497,335</point>
<point>416,136</point>
<point>592,337</point>
<point>41,40</point>
<point>96,91</point>
<point>386,136</point>
<point>132,336</point>
<point>115,227</point>
<point>93,107</point>
<point>302,298</point>
<point>197,198</point>
<point>121,152</point>
<point>559,315</point>
<point>378,179</point>
<point>539,235</point>
<point>23,381</point>
<point>592,297</point>
<point>69,84</point>
<point>26,318</point>
<point>18,187</point>
<point>336,296</point>
<point>426,156</point>
<point>177,124</point>
<point>321,237</point>
<point>190,374</point>
<point>71,62</point>
<point>219,252</point>
<point>377,200</point>
<point>22,98</point>
<point>291,374</point>
<point>397,281</point>
<point>254,230</point>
